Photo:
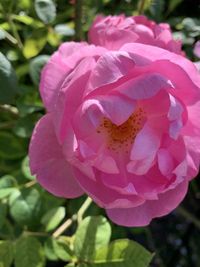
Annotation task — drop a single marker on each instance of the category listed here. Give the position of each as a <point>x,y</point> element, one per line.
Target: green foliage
<point>92,248</point>
<point>173,4</point>
<point>3,213</point>
<point>26,169</point>
<point>6,253</point>
<point>25,206</point>
<point>35,42</point>
<point>49,249</point>
<point>35,67</point>
<point>91,234</point>
<point>29,252</point>
<point>7,186</point>
<point>123,253</point>
<point>52,218</point>
<point>8,81</point>
<point>45,10</point>
<point>10,146</point>
<point>62,248</point>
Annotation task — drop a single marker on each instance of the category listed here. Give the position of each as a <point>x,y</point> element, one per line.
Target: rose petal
<point>143,214</point>
<point>48,163</point>
<point>55,71</point>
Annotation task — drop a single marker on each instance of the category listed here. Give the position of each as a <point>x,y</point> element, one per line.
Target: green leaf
<point>156,9</point>
<point>6,253</point>
<point>122,253</point>
<point>36,66</point>
<point>11,147</point>
<point>64,29</point>
<point>49,249</point>
<point>2,34</point>
<point>189,24</point>
<point>29,253</point>
<point>7,230</point>
<point>92,233</point>
<point>35,43</point>
<point>62,248</point>
<point>146,4</point>
<point>7,186</point>
<point>26,169</point>
<point>53,38</point>
<point>25,109</point>
<point>7,181</point>
<point>27,20</point>
<point>3,212</point>
<point>53,218</point>
<point>173,4</point>
<point>24,126</point>
<point>6,192</point>
<point>46,10</point>
<point>8,81</point>
<point>25,206</point>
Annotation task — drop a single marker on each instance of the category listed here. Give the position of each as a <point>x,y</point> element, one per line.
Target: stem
<point>35,233</point>
<point>64,227</point>
<point>190,217</point>
<point>78,19</point>
<point>83,209</point>
<point>30,184</point>
<point>141,6</point>
<point>10,38</point>
<point>74,218</point>
<point>15,32</point>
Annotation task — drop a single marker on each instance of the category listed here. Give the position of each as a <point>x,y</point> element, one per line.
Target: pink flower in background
<point>114,31</point>
<point>122,126</point>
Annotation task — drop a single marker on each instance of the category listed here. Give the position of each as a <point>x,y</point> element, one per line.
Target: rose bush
<point>122,126</point>
<point>114,31</point>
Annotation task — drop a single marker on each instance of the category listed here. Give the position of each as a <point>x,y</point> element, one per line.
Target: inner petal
<point>122,136</point>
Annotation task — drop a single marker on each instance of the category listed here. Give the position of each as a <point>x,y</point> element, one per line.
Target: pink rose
<point>197,49</point>
<point>196,52</point>
<point>114,31</point>
<point>122,126</point>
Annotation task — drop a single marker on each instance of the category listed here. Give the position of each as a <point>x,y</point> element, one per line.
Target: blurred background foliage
<point>31,220</point>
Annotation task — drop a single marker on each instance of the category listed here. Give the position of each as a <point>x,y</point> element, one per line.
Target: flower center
<point>122,135</point>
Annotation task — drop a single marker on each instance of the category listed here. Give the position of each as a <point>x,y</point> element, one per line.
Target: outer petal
<point>143,214</point>
<point>181,71</point>
<point>47,161</point>
<point>106,197</point>
<point>60,65</point>
<point>55,71</point>
<point>71,96</point>
<point>197,49</point>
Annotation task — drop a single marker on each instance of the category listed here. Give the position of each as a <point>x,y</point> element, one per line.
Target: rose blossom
<point>122,126</point>
<point>196,52</point>
<point>114,31</point>
<point>197,49</point>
